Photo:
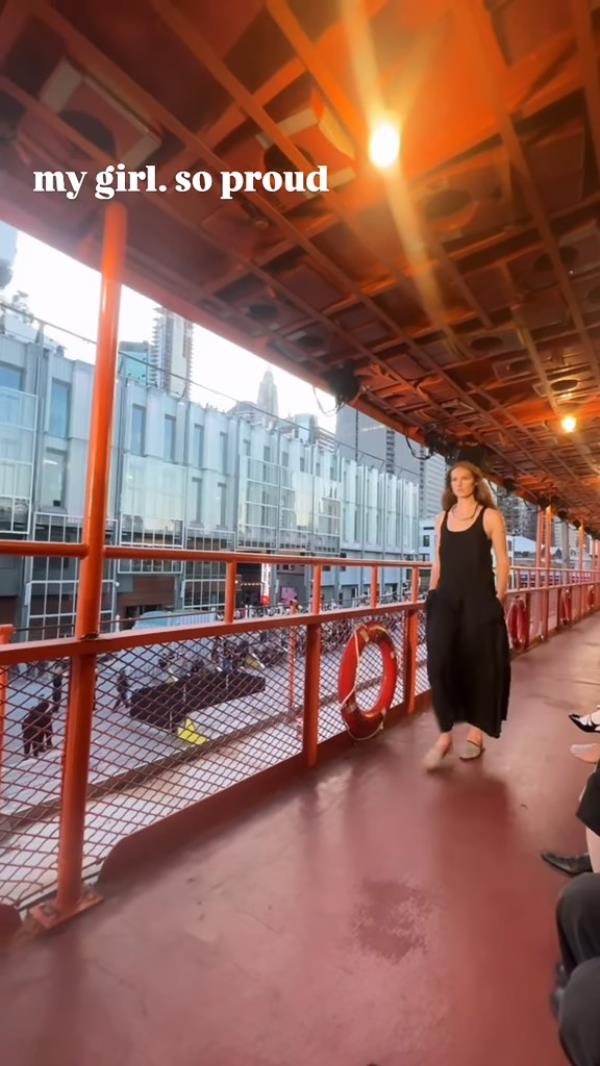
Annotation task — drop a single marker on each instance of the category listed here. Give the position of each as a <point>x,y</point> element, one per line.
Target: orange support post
<point>69,899</point>
<point>312,683</point>
<point>230,579</point>
<point>374,585</point>
<point>581,598</point>
<point>316,589</point>
<point>6,633</point>
<point>546,563</point>
<point>411,641</point>
<point>292,663</point>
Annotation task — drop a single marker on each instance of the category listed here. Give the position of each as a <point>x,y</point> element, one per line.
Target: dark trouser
<point>578,920</point>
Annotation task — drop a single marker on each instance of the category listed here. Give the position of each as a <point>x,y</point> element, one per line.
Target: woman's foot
<point>438,753</point>
<point>589,723</point>
<point>473,747</point>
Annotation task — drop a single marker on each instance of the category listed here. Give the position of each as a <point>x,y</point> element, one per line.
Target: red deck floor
<point>367,915</point>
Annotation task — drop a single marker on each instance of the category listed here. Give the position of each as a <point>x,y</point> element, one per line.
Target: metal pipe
<point>43,547</point>
<point>89,601</point>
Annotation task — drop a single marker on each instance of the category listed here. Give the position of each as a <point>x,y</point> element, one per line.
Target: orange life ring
<point>566,607</point>
<point>517,625</point>
<point>361,723</point>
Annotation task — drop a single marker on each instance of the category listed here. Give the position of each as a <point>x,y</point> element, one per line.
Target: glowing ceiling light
<point>384,145</point>
<point>569,423</point>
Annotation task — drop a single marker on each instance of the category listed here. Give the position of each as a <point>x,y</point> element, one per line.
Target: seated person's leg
<point>593,846</point>
<point>579,1023</point>
<point>578,921</point>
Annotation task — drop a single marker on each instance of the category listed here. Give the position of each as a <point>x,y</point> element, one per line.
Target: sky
<point>66,293</point>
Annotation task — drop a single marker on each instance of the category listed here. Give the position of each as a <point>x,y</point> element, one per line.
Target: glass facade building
<point>182,474</point>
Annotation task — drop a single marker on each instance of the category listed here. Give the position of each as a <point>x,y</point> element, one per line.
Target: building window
<point>222,505</point>
<point>197,445</point>
<point>11,377</point>
<point>138,429</point>
<point>60,396</point>
<point>426,540</point>
<point>53,480</point>
<point>223,455</point>
<point>169,438</point>
<point>196,500</point>
<point>285,459</point>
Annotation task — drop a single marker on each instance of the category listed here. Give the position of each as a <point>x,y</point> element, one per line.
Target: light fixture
<point>384,144</point>
<point>569,423</point>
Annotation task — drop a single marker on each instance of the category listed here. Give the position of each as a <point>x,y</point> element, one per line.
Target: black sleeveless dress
<point>468,655</point>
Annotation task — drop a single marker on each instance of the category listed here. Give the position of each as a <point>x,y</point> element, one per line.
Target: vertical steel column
<point>312,686</point>
<point>230,579</point>
<point>89,601</point>
<point>374,585</point>
<point>536,600</point>
<point>6,633</point>
<point>546,563</point>
<point>582,593</point>
<point>316,589</point>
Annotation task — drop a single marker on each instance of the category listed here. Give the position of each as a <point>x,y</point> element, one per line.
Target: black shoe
<point>584,722</point>
<point>569,864</point>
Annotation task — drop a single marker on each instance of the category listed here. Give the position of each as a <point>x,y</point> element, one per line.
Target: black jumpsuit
<point>468,657</point>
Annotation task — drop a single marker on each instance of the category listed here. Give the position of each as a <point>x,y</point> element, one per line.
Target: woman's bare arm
<point>496,529</point>
<point>435,569</point>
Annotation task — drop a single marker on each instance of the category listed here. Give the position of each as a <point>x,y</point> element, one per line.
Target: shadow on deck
<point>366,914</point>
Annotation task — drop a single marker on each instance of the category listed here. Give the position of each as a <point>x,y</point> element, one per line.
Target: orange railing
<point>146,761</point>
<point>127,751</point>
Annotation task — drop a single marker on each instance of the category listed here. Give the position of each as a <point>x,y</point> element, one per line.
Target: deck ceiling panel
<point>461,294</point>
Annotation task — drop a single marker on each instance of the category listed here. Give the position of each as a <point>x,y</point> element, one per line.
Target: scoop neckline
<point>473,523</point>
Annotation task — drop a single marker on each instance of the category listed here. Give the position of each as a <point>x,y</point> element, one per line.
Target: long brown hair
<point>481,492</point>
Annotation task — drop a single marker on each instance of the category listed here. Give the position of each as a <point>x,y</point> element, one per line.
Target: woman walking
<point>468,659</point>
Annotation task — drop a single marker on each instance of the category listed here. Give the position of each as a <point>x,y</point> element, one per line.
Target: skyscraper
<point>171,353</point>
<point>267,395</point>
<point>8,251</point>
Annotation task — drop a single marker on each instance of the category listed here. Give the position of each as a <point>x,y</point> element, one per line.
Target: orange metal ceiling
<point>461,292</point>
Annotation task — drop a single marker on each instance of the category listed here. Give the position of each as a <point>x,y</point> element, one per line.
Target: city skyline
<point>66,294</point>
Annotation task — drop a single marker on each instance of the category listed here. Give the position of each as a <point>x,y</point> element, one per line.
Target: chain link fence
<point>31,745</point>
<point>173,724</point>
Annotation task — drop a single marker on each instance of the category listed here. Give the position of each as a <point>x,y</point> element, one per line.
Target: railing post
<point>374,585</point>
<point>414,584</point>
<point>411,641</point>
<point>6,633</point>
<point>547,562</point>
<point>69,898</point>
<point>312,688</point>
<point>230,579</point>
<point>292,662</point>
<point>316,590</point>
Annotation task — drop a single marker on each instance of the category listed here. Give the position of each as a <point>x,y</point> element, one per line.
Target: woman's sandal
<point>436,756</point>
<point>473,749</point>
